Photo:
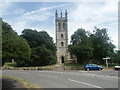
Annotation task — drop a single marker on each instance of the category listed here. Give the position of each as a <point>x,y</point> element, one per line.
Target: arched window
<point>62,36</point>
<point>59,25</point>
<point>62,43</point>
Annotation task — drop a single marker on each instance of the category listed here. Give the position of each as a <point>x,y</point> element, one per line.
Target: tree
<point>41,56</point>
<point>42,46</point>
<point>81,46</point>
<point>115,57</point>
<point>102,45</point>
<point>14,46</point>
<point>92,47</point>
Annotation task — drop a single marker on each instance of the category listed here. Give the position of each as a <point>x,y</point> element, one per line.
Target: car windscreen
<point>92,65</point>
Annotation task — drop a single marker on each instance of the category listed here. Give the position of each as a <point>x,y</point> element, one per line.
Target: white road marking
<point>83,73</point>
<point>103,76</point>
<point>85,83</point>
<point>23,72</point>
<point>48,75</point>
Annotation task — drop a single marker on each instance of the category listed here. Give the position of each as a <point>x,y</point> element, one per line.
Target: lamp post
<point>106,61</point>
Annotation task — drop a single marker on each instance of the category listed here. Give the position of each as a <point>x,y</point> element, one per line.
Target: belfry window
<point>63,26</point>
<point>62,36</point>
<point>62,43</point>
<point>59,25</point>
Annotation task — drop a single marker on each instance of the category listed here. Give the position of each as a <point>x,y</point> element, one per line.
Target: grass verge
<point>25,83</point>
<point>75,66</point>
<point>9,65</point>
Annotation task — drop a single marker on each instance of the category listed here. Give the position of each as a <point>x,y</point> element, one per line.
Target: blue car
<point>92,67</point>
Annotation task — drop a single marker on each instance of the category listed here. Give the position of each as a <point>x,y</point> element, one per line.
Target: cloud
<point>100,14</point>
<point>4,8</point>
<point>18,11</point>
<point>41,14</point>
<point>82,14</point>
<point>37,19</point>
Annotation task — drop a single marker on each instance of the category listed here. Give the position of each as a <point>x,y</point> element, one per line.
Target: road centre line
<point>85,83</point>
<point>23,72</point>
<point>48,75</point>
<point>94,75</point>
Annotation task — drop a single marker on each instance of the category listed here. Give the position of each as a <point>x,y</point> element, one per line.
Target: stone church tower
<point>61,37</point>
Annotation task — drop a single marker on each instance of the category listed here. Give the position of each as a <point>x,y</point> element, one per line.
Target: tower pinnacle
<point>56,14</point>
<point>66,14</point>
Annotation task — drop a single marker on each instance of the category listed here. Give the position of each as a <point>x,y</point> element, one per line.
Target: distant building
<point>63,56</point>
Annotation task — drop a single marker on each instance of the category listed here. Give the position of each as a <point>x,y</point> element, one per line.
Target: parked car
<point>92,67</point>
<point>117,67</point>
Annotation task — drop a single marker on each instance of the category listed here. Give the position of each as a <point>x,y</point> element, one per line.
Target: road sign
<point>106,61</point>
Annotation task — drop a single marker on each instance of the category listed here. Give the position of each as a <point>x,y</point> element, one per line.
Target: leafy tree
<point>43,48</point>
<point>41,56</point>
<point>14,46</point>
<point>35,38</point>
<point>118,57</point>
<point>81,46</point>
<point>115,57</point>
<point>102,45</point>
<point>92,47</point>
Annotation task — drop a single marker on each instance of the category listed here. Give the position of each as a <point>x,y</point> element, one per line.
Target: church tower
<point>61,37</point>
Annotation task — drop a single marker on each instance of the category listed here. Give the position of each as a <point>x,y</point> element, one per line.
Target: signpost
<point>106,61</point>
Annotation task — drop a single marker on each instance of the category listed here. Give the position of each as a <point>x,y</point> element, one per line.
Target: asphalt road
<point>68,79</point>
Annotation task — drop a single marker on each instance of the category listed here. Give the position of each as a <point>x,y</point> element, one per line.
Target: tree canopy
<point>102,45</point>
<point>33,48</point>
<point>42,46</point>
<point>14,46</point>
<point>91,47</point>
<point>81,46</point>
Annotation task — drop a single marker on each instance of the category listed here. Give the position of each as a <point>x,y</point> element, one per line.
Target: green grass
<point>78,66</point>
<point>110,65</point>
<point>49,67</point>
<point>74,66</point>
<point>8,64</point>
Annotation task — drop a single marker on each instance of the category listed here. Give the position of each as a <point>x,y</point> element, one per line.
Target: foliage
<point>81,46</point>
<point>92,47</point>
<point>14,46</point>
<point>8,64</point>
<point>115,57</point>
<point>102,45</point>
<point>42,46</point>
<point>35,38</point>
<point>41,56</point>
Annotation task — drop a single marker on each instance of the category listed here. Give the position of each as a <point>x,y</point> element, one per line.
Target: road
<point>68,79</point>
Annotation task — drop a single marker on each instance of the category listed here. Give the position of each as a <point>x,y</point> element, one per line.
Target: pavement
<point>8,83</point>
<point>68,79</point>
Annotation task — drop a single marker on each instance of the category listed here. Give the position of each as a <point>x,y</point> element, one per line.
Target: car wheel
<point>100,69</point>
<point>88,69</point>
